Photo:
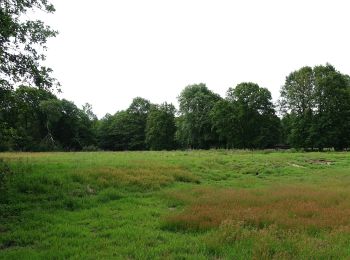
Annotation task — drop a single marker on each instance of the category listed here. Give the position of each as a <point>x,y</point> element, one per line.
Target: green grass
<point>176,205</point>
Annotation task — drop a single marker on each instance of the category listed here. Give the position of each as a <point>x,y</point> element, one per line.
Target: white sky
<point>110,51</point>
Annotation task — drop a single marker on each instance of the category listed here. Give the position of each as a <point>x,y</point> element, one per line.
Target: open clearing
<point>182,205</point>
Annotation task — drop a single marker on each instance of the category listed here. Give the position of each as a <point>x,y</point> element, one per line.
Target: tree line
<point>313,112</point>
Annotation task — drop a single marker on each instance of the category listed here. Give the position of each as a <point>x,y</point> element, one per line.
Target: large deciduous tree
<point>37,120</point>
<point>246,118</point>
<point>223,118</point>
<point>317,104</point>
<point>125,130</point>
<point>196,102</point>
<point>115,132</point>
<point>298,100</point>
<point>22,42</point>
<point>161,128</point>
<point>24,120</point>
<point>22,45</point>
<point>137,113</point>
<point>68,127</point>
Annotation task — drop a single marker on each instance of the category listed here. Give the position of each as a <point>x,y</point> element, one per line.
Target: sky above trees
<point>108,52</point>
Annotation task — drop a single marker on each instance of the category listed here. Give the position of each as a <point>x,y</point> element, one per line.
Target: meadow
<point>175,205</point>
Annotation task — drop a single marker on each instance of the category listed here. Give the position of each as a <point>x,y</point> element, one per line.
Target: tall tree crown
<point>22,44</point>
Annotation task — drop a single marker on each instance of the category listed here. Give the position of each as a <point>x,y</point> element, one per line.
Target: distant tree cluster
<point>36,120</point>
<point>314,113</point>
<point>314,106</point>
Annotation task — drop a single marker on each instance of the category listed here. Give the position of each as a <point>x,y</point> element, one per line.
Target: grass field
<point>176,205</point>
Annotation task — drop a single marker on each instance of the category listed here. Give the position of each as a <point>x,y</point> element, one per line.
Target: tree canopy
<point>22,44</point>
<point>196,102</point>
<point>246,118</point>
<point>316,102</point>
<point>314,106</point>
<point>160,127</point>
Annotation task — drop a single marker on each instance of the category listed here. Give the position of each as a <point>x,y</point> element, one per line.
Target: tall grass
<point>271,223</point>
<point>288,207</point>
<point>175,205</point>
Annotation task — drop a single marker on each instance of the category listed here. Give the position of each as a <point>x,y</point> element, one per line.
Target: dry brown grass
<point>296,208</point>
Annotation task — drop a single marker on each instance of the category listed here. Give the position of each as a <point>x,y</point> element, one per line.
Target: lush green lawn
<point>182,205</point>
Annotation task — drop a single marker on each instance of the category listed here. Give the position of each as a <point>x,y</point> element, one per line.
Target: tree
<point>87,108</point>
<point>223,118</point>
<point>72,128</point>
<point>116,132</point>
<point>52,109</point>
<point>246,119</point>
<point>22,43</point>
<point>297,94</point>
<point>196,102</point>
<point>331,126</point>
<point>125,130</point>
<point>137,119</point>
<point>6,114</point>
<point>25,119</point>
<point>104,132</point>
<point>298,100</point>
<point>181,138</point>
<point>317,104</point>
<point>37,120</point>
<point>160,127</point>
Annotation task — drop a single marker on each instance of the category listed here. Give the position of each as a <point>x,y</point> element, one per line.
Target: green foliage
<point>317,104</point>
<point>161,128</point>
<point>23,118</point>
<point>126,130</point>
<point>297,92</point>
<point>36,120</point>
<point>73,129</point>
<point>22,42</point>
<point>196,103</point>
<point>138,112</point>
<point>113,131</point>
<point>314,104</point>
<point>246,119</point>
<point>223,117</point>
<point>22,45</point>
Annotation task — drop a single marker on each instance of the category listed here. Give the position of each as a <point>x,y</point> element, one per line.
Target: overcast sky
<point>110,51</point>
